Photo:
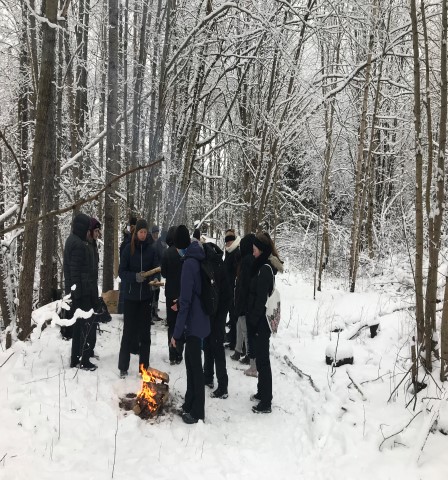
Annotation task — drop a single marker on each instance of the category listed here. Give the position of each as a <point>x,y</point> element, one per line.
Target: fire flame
<point>146,392</point>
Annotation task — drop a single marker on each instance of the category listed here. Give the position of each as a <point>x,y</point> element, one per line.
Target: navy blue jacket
<point>191,319</point>
<point>145,258</point>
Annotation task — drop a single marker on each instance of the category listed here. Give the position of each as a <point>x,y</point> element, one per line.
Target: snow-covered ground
<point>57,422</point>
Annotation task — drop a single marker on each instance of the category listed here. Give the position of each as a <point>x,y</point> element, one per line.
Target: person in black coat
<point>160,246</point>
<point>244,332</point>
<point>171,268</point>
<point>78,266</point>
<point>214,353</point>
<point>265,266</point>
<point>231,261</point>
<point>127,236</point>
<point>138,257</point>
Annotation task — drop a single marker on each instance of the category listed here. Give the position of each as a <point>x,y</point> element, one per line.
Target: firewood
<point>163,376</point>
<point>149,273</point>
<point>156,283</point>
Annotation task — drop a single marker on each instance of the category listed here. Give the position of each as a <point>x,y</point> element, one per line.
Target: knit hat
<point>94,223</point>
<point>141,224</point>
<point>132,220</point>
<point>182,237</point>
<point>197,234</point>
<point>261,241</point>
<point>155,229</point>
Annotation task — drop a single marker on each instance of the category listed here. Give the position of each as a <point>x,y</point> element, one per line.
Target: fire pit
<point>154,394</point>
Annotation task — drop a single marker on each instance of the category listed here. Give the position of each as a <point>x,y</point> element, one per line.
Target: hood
<point>276,263</point>
<point>213,252</point>
<point>195,250</point>
<point>81,224</point>
<point>170,236</point>
<point>235,245</point>
<point>246,244</point>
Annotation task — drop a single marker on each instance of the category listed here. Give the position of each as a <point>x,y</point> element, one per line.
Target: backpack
<point>210,289</point>
<point>273,306</point>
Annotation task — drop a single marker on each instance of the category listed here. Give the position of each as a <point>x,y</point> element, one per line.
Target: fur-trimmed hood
<point>235,245</point>
<point>276,263</point>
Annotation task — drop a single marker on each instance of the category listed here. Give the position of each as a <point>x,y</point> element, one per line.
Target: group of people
<point>244,277</point>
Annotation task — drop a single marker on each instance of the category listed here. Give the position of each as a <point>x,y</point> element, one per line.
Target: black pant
<point>195,394</point>
<point>214,354</point>
<point>81,340</point>
<point>175,354</point>
<point>136,333</point>
<point>262,336</point>
<point>251,332</point>
<point>233,318</point>
<point>155,303</point>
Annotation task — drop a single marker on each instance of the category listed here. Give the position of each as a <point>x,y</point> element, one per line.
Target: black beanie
<point>141,224</point>
<point>133,221</point>
<point>181,237</point>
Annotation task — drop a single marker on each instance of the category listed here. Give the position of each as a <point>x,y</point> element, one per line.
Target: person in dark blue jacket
<point>191,321</point>
<point>127,235</point>
<point>137,257</point>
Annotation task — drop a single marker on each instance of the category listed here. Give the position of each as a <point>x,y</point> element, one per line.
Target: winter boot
<point>236,355</point>
<point>252,370</point>
<point>262,408</point>
<point>245,360</point>
<point>219,393</point>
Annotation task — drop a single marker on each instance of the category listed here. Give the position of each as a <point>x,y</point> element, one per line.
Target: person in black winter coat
<point>265,266</point>
<point>79,280</point>
<point>244,332</point>
<point>214,353</point>
<point>160,246</point>
<point>138,257</point>
<point>127,236</point>
<point>231,261</point>
<point>171,268</point>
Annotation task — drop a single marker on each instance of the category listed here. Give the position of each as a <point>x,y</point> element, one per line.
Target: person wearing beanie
<point>138,257</point>
<point>171,267</point>
<point>231,260</point>
<point>192,322</point>
<point>78,265</point>
<point>266,264</point>
<point>127,235</point>
<point>244,335</point>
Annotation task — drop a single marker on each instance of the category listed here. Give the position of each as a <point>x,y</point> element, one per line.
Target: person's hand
<point>174,306</point>
<point>173,342</point>
<point>139,278</point>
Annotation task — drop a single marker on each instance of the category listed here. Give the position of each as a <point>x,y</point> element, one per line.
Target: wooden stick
<point>357,387</point>
<point>300,373</point>
<point>149,273</point>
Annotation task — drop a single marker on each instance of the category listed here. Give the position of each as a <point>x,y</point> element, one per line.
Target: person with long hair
<point>265,266</point>
<point>137,257</point>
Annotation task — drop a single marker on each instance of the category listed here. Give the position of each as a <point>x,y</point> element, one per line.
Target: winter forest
<point>321,122</point>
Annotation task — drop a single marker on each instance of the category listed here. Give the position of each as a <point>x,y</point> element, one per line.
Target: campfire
<point>153,395</point>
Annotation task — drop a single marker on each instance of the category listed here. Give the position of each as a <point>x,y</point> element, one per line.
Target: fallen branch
<point>357,387</point>
<point>300,373</point>
<point>7,359</point>
<point>80,202</point>
<point>404,428</point>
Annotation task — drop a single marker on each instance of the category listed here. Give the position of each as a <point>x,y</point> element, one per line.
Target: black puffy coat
<point>244,274</point>
<point>231,262</point>
<point>260,287</point>
<point>93,246</point>
<point>145,258</point>
<point>79,266</point>
<point>171,268</point>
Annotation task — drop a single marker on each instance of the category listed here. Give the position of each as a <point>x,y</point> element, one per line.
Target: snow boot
<point>260,408</point>
<point>219,393</point>
<point>236,355</point>
<point>252,370</point>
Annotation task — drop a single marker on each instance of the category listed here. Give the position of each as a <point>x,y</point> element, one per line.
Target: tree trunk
<point>42,139</point>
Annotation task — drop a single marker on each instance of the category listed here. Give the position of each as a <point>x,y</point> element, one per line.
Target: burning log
<point>154,394</point>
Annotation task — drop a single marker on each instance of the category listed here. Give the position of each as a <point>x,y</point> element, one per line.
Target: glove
<point>139,278</point>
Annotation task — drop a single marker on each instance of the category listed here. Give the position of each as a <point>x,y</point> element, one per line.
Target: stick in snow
<point>300,373</point>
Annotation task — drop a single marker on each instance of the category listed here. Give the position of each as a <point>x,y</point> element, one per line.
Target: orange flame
<point>146,391</point>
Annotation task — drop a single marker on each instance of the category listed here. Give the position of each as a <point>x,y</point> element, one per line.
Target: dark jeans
<point>195,394</point>
<point>262,336</point>
<point>175,354</point>
<point>82,336</point>
<point>214,354</point>
<point>251,332</point>
<point>136,333</point>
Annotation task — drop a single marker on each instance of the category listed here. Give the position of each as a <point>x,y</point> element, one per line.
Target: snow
<point>56,421</point>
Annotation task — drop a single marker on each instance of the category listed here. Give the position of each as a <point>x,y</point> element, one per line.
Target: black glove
<point>139,278</point>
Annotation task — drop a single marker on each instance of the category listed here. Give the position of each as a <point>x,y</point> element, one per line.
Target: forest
<point>323,123</point>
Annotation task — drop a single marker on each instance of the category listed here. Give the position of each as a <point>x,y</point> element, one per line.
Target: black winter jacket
<point>93,246</point>
<point>260,287</point>
<point>242,285</point>
<point>231,261</point>
<point>145,258</point>
<point>79,266</point>
<point>171,267</point>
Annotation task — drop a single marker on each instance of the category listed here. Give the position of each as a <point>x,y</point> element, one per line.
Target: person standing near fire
<point>138,256</point>
<point>192,322</point>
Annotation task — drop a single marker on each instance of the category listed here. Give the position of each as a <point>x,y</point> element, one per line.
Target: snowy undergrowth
<point>58,421</point>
